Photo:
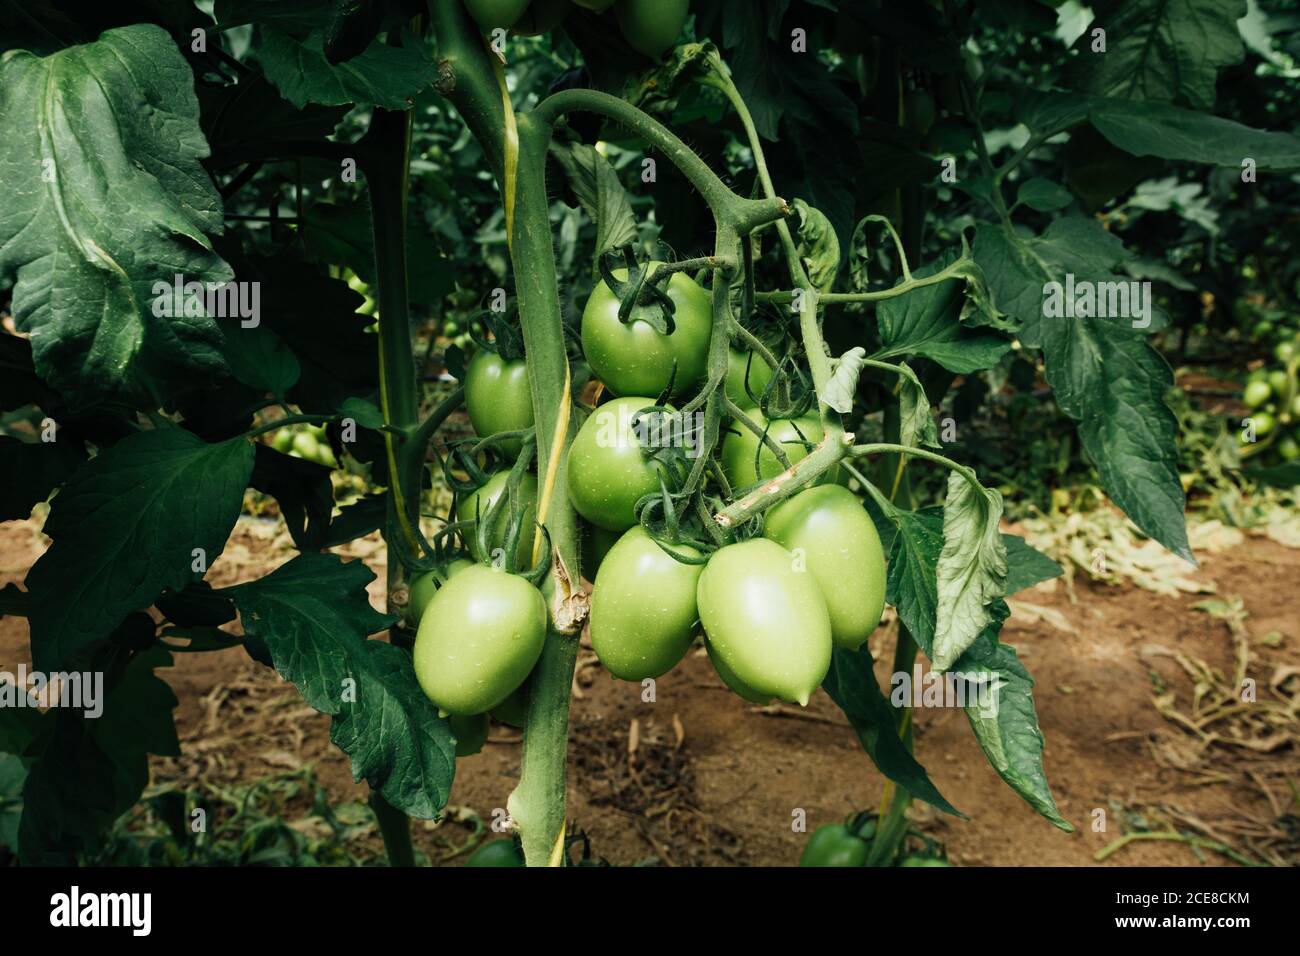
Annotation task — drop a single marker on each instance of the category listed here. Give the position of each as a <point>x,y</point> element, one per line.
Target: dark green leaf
<point>31,471</point>
<point>259,359</point>
<point>303,490</point>
<point>1043,195</point>
<point>387,76</point>
<point>1170,132</point>
<point>600,193</point>
<point>1026,565</point>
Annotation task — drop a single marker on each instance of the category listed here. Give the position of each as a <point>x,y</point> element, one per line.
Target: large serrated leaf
<point>314,617</point>
<point>972,568</point>
<point>386,76</point>
<point>104,198</point>
<point>601,194</point>
<point>125,527</point>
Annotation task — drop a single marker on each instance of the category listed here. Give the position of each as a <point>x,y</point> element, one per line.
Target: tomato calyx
<point>507,337</point>
<point>639,290</point>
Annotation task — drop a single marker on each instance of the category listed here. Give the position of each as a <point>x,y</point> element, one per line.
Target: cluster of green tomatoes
<point>308,442</point>
<point>1273,398</point>
<point>771,602</point>
<point>849,844</point>
<point>649,26</point>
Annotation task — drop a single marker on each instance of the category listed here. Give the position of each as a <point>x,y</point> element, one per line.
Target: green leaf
<point>916,421</point>
<point>105,198</point>
<point>1103,372</point>
<point>1026,565</point>
<point>926,321</point>
<point>387,76</point>
<point>851,683</point>
<point>260,359</point>
<point>972,568</point>
<point>1285,475</point>
<point>843,384</point>
<point>125,527</point>
<point>314,616</point>
<point>19,383</point>
<point>303,491</point>
<point>818,247</point>
<point>1165,50</point>
<point>601,194</point>
<point>363,413</point>
<point>910,585</point>
<point>1043,195</point>
<point>1009,735</point>
<point>33,470</point>
<point>1170,132</point>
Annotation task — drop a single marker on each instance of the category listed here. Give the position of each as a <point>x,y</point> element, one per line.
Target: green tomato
<point>283,440</point>
<point>542,16</point>
<point>1288,448</point>
<point>607,472</point>
<point>600,6</point>
<point>1256,394</point>
<point>767,622</point>
<point>1295,406</point>
<point>513,711</point>
<point>643,608</point>
<point>734,683</point>
<point>479,639</point>
<point>842,550</point>
<point>741,445</point>
<point>496,853</point>
<point>1277,381</point>
<point>635,359</point>
<point>759,374</point>
<point>494,14</point>
<point>923,861</point>
<point>596,543</point>
<point>425,584</point>
<point>1264,423</point>
<point>1284,351</point>
<point>305,444</point>
<point>834,845</point>
<point>1262,329</point>
<point>498,398</point>
<point>470,731</point>
<point>482,501</point>
<point>918,111</point>
<point>652,26</point>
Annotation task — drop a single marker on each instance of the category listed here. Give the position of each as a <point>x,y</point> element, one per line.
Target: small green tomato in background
<point>643,610</point>
<point>652,26</point>
<point>1264,423</point>
<point>740,446</point>
<point>496,853</point>
<point>542,16</point>
<point>495,14</point>
<point>766,621</point>
<point>834,845</point>
<point>482,501</point>
<point>842,551</point>
<point>497,398</point>
<point>1256,394</point>
<point>479,639</point>
<point>1284,351</point>
<point>1277,381</point>
<point>607,471</point>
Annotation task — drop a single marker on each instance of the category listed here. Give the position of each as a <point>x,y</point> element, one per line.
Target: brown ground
<point>726,792</point>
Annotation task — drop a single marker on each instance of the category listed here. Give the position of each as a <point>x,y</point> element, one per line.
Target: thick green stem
<point>892,828</point>
<point>396,831</point>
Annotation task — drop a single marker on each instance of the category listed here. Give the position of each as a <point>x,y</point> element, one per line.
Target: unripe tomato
<point>1288,449</point>
<point>1256,394</point>
<point>479,639</point>
<point>1264,423</point>
<point>842,550</point>
<point>596,543</point>
<point>1277,381</point>
<point>834,845</point>
<point>425,584</point>
<point>600,6</point>
<point>542,16</point>
<point>643,608</point>
<point>635,359</point>
<point>734,683</point>
<point>766,621</point>
<point>481,502</point>
<point>918,111</point>
<point>1295,406</point>
<point>470,732</point>
<point>652,26</point>
<point>497,397</point>
<point>493,14</point>
<point>759,374</point>
<point>283,440</point>
<point>740,445</point>
<point>1284,351</point>
<point>305,444</point>
<point>607,472</point>
<point>496,853</point>
<point>923,861</point>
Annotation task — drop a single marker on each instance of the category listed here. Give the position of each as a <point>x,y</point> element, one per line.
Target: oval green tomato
<point>482,501</point>
<point>636,359</point>
<point>1256,394</point>
<point>497,398</point>
<point>470,731</point>
<point>542,16</point>
<point>607,472</point>
<point>1295,406</point>
<point>766,621</point>
<point>283,440</point>
<point>496,853</point>
<point>834,845</point>
<point>741,445</point>
<point>479,639</point>
<point>1284,351</point>
<point>746,368</point>
<point>1277,380</point>
<point>1288,448</point>
<point>652,26</point>
<point>734,683</point>
<point>1264,423</point>
<point>494,14</point>
<point>841,549</point>
<point>643,608</point>
<point>305,444</point>
<point>425,584</point>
